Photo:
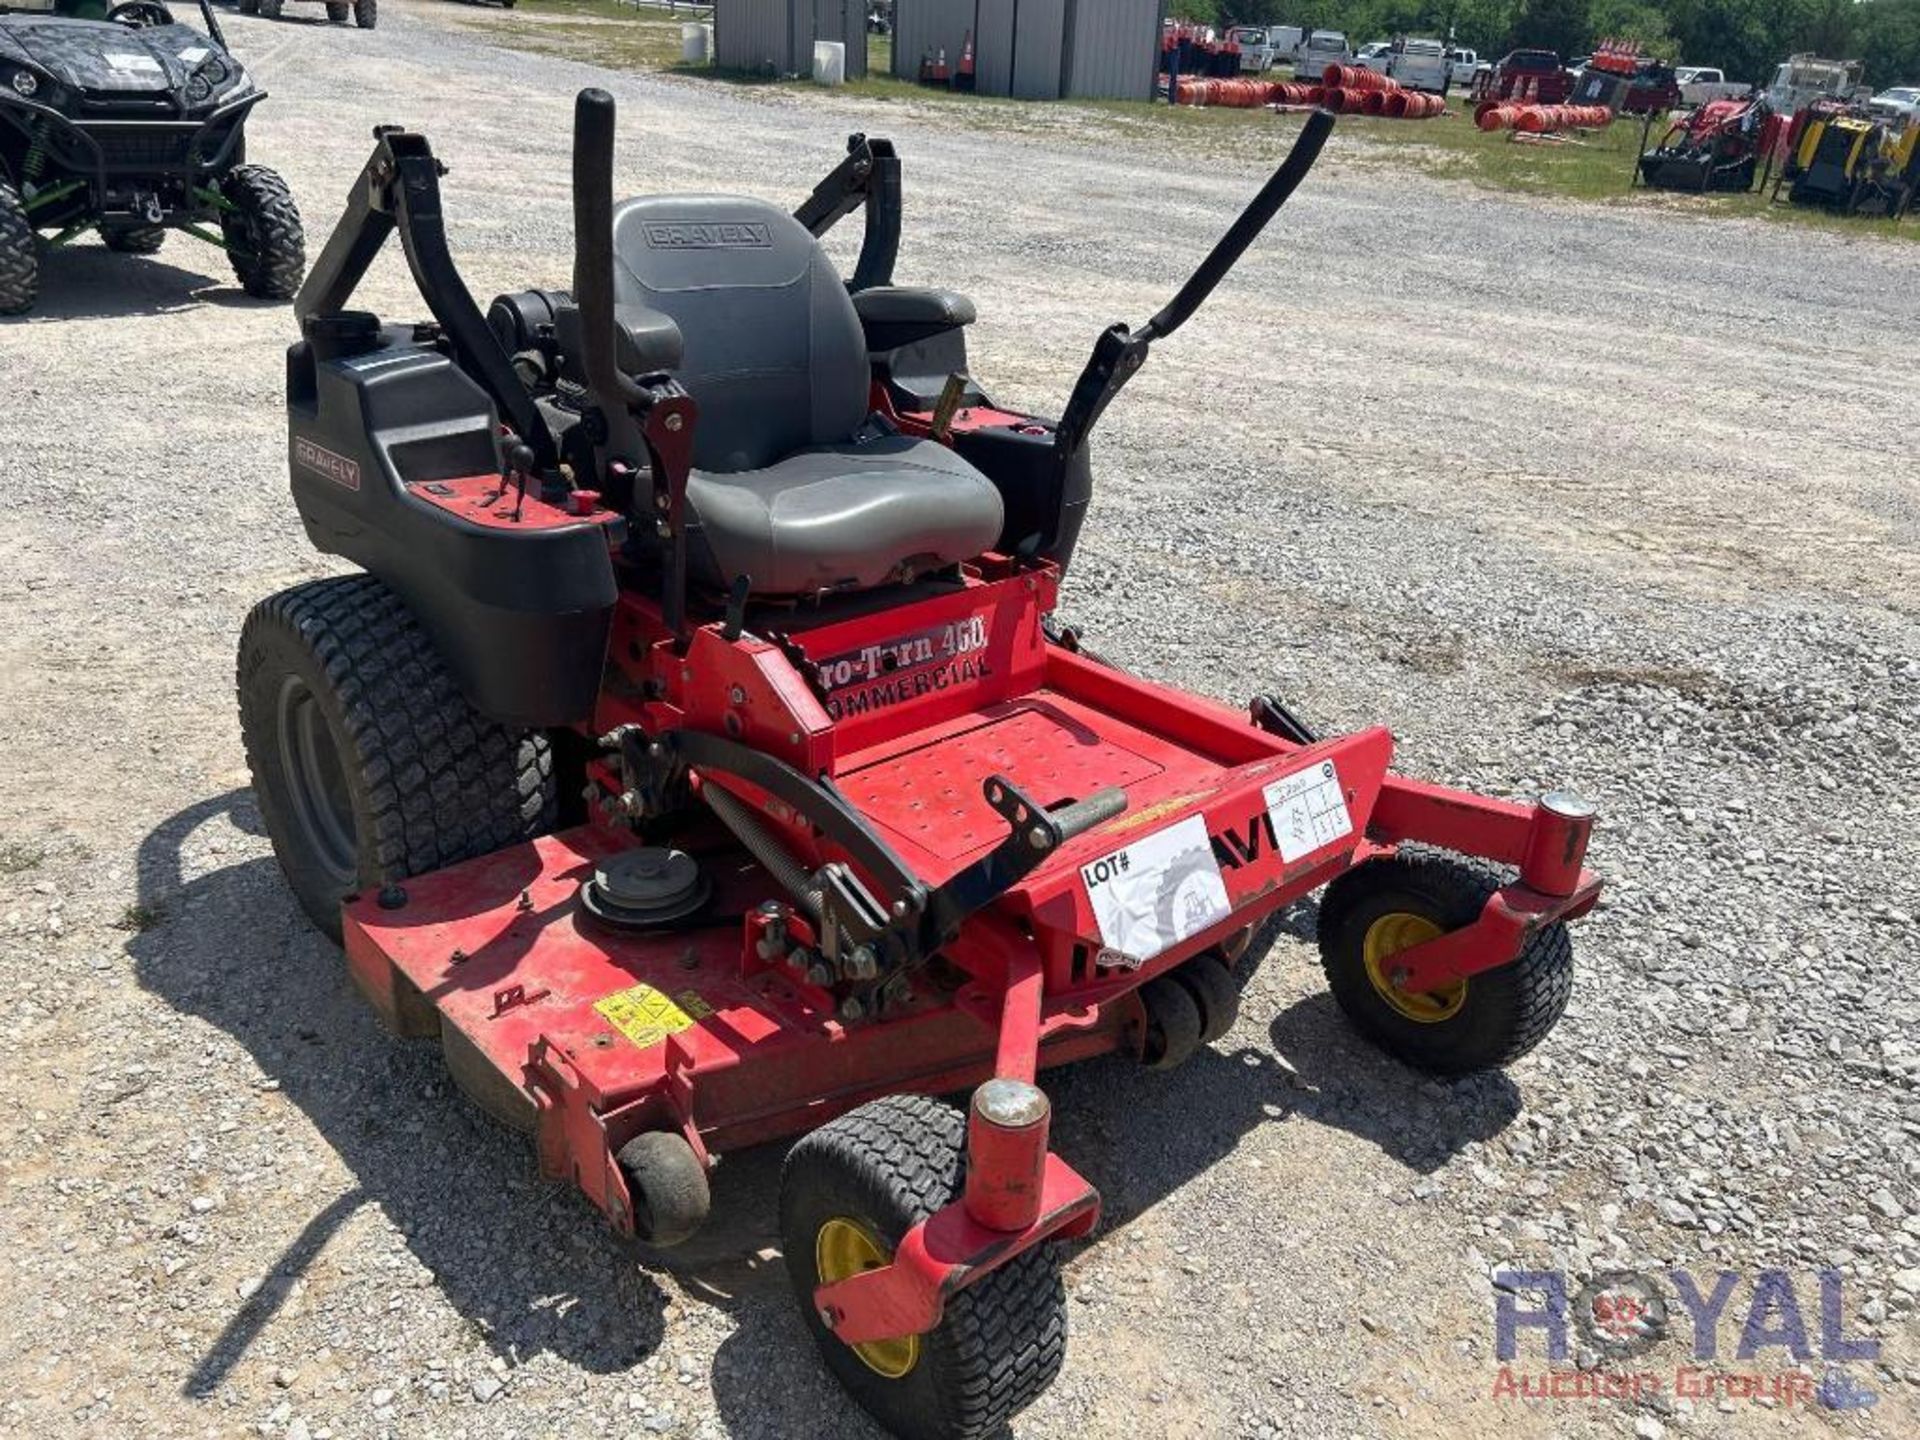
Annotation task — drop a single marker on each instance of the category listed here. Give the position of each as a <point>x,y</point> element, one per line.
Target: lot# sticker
<point>1158,891</point>
<point>1309,809</point>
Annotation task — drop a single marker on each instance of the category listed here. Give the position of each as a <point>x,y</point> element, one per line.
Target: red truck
<point>1526,75</point>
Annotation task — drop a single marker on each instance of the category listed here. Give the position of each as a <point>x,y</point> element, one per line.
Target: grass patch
<point>601,32</point>
<point>138,919</point>
<point>17,859</point>
<point>1595,168</point>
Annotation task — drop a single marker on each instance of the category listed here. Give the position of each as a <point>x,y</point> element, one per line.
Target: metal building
<point>776,36</point>
<point>1036,49</point>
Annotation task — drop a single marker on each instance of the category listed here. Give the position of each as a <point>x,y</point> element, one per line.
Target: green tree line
<point>1746,38</point>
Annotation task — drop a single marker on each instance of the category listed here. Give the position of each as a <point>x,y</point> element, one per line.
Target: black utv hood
<point>105,60</point>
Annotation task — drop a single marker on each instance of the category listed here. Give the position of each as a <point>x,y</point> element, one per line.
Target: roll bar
<point>1119,352</point>
<point>869,177</point>
<point>400,189</point>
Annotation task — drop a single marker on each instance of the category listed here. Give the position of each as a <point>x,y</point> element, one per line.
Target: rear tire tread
<point>269,243</point>
<point>140,240</point>
<point>441,782</point>
<point>19,255</point>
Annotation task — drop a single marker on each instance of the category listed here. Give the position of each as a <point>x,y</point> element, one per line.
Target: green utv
<point>117,118</point>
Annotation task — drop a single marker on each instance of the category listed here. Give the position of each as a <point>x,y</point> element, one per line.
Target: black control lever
<point>613,389</point>
<point>1033,833</point>
<point>1120,352</point>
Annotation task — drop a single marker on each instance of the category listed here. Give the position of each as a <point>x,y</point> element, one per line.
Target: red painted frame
<point>906,709</point>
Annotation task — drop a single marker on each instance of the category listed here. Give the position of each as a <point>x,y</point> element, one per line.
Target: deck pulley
<point>646,889</point>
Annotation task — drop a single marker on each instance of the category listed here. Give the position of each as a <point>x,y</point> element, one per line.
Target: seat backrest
<point>774,355</point>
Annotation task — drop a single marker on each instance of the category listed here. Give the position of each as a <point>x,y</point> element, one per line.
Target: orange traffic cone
<point>963,78</point>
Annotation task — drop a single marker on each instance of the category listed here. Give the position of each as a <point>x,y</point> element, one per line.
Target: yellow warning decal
<point>646,1016</point>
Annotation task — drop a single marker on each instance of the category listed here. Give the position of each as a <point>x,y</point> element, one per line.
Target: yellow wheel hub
<point>1387,937</point>
<point>844,1248</point>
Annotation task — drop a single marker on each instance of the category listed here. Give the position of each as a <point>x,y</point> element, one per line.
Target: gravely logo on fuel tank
<point>326,464</point>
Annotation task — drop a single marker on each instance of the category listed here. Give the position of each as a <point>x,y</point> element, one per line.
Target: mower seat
<point>794,484</point>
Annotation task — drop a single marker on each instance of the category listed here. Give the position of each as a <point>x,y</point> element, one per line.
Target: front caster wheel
<point>1214,992</point>
<point>669,1187</point>
<point>1173,1023</point>
<point>1384,906</point>
<point>848,1194</point>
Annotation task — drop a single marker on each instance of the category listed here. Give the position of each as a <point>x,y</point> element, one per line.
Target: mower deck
<point>633,1025</point>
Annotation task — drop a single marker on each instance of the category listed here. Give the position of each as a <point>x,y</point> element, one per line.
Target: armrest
<point>646,340</point>
<point>897,315</point>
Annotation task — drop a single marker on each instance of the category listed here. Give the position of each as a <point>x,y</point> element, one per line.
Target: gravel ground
<point>1615,500</point>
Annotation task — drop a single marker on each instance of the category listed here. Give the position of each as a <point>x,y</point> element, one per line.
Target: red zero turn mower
<point>699,759</point>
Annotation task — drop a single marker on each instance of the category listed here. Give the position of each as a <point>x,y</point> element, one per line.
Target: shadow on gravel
<point>532,1268</point>
<point>1344,1082</point>
<point>526,1263</point>
<point>90,282</point>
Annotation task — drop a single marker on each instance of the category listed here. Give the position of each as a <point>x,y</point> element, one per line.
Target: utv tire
<point>1480,1023</point>
<point>366,13</point>
<point>337,14</point>
<point>143,240</point>
<point>249,7</point>
<point>262,230</point>
<point>848,1193</point>
<point>270,8</point>
<point>19,255</point>
<point>668,1185</point>
<point>368,763</point>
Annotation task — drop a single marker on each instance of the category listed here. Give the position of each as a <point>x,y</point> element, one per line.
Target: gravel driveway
<point>1617,500</point>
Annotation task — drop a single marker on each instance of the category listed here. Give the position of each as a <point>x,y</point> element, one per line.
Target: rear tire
<point>860,1183</point>
<point>337,13</point>
<point>366,13</point>
<point>270,8</point>
<point>1481,1023</point>
<point>269,249</point>
<point>19,255</point>
<point>142,240</point>
<point>368,763</point>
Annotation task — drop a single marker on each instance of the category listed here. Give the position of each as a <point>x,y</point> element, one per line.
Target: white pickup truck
<point>1320,49</point>
<point>1701,83</point>
<point>1462,65</point>
<point>1256,48</point>
<point>1420,65</point>
<point>1374,55</point>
